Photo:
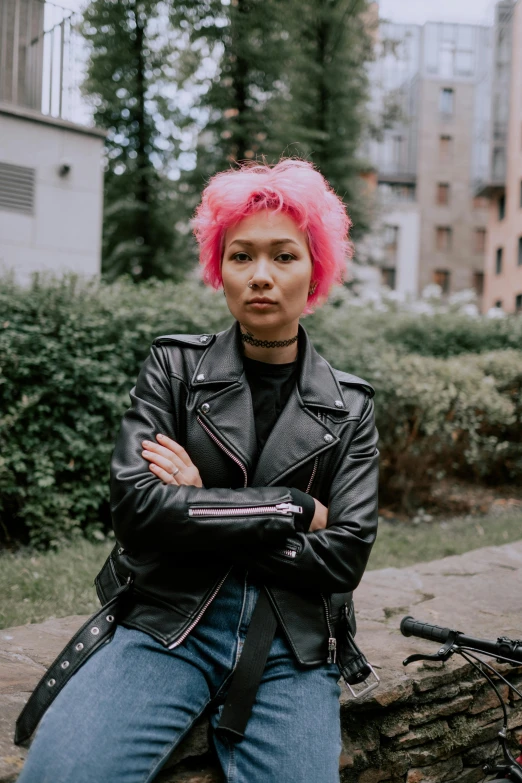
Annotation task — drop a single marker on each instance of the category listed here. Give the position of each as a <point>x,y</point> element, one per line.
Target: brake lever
<point>445,652</point>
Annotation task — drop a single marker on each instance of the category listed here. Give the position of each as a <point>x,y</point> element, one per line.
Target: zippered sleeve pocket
<point>287,509</point>
<point>291,549</point>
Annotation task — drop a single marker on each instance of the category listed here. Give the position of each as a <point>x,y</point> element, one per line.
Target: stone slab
<point>478,592</point>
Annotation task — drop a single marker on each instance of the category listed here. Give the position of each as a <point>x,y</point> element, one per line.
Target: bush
<point>70,352</point>
<point>453,334</point>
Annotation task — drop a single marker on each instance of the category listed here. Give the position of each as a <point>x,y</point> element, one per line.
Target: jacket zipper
<point>332,641</point>
<point>201,612</point>
<point>288,551</point>
<point>227,451</point>
<point>243,511</point>
<point>280,508</point>
<point>307,490</point>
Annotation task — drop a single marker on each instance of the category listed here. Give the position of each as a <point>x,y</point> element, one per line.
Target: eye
<point>289,257</point>
<point>235,257</point>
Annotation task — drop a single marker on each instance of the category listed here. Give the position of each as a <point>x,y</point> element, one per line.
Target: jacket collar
<point>220,378</point>
<point>222,362</point>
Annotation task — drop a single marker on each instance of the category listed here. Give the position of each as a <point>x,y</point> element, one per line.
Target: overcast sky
<point>420,11</point>
<point>413,11</point>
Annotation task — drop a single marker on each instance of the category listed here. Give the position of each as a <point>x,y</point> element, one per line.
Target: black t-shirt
<point>270,386</point>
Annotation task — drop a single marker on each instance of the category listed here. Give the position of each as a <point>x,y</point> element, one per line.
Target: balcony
<point>41,60</point>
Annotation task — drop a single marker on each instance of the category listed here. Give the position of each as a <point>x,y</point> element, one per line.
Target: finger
<point>175,447</point>
<point>166,477</point>
<point>152,446</point>
<point>167,464</point>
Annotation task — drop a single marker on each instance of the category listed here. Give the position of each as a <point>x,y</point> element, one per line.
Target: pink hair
<point>293,186</point>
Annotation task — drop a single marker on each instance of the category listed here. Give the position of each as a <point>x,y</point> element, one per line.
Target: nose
<point>261,277</point>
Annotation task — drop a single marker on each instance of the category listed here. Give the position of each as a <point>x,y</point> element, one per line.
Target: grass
<point>36,586</point>
<point>401,544</point>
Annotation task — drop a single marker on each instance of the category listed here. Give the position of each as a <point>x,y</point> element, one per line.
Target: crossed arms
<point>150,507</point>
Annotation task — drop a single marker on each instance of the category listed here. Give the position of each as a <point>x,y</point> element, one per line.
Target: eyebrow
<point>273,243</point>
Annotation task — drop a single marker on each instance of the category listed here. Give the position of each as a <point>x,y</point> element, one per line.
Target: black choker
<point>247,337</point>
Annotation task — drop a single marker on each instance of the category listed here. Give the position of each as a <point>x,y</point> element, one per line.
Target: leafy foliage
<point>70,352</point>
<point>185,89</point>
<point>129,83</point>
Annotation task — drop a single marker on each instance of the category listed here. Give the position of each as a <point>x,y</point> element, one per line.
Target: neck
<point>273,355</point>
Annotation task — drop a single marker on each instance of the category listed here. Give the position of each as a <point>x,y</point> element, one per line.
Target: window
<point>478,283</point>
<point>501,207</point>
<point>520,251</point>
<point>446,101</point>
<point>397,150</point>
<point>464,63</point>
<point>480,202</point>
<point>520,204</point>
<point>498,261</point>
<point>518,303</point>
<point>445,149</point>
<point>443,238</point>
<point>388,276</point>
<point>397,191</point>
<point>391,235</point>
<point>479,240</point>
<point>443,190</point>
<point>442,278</point>
<point>498,303</point>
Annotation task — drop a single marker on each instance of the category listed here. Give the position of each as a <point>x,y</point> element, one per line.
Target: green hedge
<point>70,351</point>
<point>454,333</point>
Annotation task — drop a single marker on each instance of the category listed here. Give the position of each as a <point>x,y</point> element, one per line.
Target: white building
<point>51,173</point>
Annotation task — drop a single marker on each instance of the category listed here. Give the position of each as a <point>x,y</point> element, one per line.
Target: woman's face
<point>269,251</point>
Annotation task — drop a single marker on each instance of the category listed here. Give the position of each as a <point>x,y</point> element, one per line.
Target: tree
<point>324,110</point>
<point>129,70</point>
<point>292,79</point>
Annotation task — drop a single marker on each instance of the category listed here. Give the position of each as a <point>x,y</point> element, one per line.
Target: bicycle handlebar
<point>503,647</point>
<point>411,627</point>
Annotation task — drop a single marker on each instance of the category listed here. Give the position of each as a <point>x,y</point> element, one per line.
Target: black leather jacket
<point>180,542</point>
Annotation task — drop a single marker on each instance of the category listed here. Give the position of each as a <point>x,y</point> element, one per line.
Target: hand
<point>170,462</point>
<point>320,517</point>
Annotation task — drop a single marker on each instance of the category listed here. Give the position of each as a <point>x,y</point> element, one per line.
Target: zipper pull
<point>288,508</point>
<point>332,649</point>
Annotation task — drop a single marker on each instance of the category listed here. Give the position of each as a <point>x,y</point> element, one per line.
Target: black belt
<point>100,627</point>
<point>96,631</point>
<point>241,694</point>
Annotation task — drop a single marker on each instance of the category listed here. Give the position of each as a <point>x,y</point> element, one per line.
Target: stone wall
<point>428,723</point>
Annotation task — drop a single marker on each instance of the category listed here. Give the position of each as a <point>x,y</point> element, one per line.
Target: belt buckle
<point>369,688</point>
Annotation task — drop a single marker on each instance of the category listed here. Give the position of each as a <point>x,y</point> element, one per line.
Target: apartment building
<point>51,175</point>
<point>502,185</point>
<point>433,226</point>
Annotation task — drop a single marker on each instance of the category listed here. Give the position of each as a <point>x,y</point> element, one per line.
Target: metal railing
<point>42,59</point>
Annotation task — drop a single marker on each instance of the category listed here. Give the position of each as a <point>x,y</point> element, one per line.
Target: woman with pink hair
<point>244,505</point>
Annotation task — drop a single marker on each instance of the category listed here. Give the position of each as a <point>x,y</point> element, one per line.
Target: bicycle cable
<point>492,668</point>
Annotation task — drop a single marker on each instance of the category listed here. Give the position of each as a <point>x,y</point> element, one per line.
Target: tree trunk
<point>240,80</point>
<point>143,185</point>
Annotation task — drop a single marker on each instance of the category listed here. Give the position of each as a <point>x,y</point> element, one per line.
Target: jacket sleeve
<point>333,560</point>
<point>149,515</point>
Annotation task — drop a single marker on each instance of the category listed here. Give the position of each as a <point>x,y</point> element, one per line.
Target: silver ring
<point>175,472</point>
<point>250,285</point>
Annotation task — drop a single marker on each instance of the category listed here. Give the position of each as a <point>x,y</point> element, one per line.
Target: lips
<point>261,300</point>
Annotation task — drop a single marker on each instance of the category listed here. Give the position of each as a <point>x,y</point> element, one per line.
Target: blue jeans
<point>124,711</point>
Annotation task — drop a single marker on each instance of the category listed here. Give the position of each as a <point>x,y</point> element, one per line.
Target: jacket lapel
<point>299,433</point>
<point>220,379</point>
